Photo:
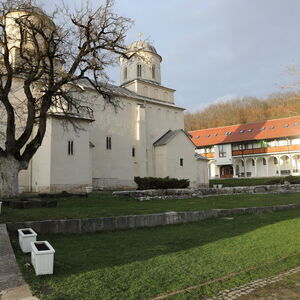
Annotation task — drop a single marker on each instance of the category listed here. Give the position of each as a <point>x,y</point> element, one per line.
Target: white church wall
<point>115,167</point>
<point>70,168</point>
<point>180,148</point>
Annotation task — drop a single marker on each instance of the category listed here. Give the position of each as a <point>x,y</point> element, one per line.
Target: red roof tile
<point>247,132</point>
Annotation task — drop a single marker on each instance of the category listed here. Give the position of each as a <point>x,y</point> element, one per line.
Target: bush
<point>293,179</point>
<point>147,183</point>
<point>231,182</point>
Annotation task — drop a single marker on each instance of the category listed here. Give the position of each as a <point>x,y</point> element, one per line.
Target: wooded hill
<point>244,110</point>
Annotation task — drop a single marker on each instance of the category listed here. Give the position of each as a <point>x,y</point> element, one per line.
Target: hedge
<point>255,181</point>
<point>147,183</point>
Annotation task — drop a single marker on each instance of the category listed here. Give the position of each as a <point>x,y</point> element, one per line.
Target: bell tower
<point>143,65</point>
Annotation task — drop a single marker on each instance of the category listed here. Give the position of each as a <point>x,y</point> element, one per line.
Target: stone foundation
<point>77,226</point>
<point>166,194</point>
<point>100,184</point>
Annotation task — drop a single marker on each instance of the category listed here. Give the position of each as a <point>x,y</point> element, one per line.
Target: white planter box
<point>220,186</point>
<point>26,236</point>
<point>42,257</point>
<point>88,189</point>
<point>215,186</point>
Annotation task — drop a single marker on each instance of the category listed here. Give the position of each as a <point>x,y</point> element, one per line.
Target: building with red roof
<point>261,149</point>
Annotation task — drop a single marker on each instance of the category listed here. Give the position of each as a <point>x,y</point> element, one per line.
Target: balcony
<point>266,150</point>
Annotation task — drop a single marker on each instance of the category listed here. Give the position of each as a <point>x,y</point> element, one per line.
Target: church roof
<point>142,45</point>
<point>123,92</point>
<point>269,129</point>
<point>168,136</point>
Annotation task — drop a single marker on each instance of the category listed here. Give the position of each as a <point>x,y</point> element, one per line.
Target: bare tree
<point>41,58</point>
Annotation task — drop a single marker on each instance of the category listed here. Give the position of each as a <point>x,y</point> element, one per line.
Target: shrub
<point>231,182</point>
<point>147,183</point>
<point>293,179</point>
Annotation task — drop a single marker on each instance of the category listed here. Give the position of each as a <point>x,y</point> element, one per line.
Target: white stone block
<point>88,189</point>
<point>42,257</point>
<point>26,236</point>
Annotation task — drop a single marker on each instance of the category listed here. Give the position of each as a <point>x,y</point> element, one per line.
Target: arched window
<point>125,73</point>
<point>153,71</point>
<point>139,70</point>
<point>275,161</point>
<point>264,161</point>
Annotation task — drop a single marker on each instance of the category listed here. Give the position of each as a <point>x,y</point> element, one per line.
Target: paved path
<point>246,289</point>
<point>12,284</point>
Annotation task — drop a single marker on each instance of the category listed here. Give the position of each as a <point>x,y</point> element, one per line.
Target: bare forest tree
<point>245,110</point>
<point>41,57</point>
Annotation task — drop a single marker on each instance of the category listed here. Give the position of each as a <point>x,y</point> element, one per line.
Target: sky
<point>216,50</point>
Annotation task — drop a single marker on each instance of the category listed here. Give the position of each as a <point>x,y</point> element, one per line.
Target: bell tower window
<point>125,73</point>
<point>153,71</point>
<point>139,70</point>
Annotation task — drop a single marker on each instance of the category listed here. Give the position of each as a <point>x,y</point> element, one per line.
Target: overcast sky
<point>218,49</point>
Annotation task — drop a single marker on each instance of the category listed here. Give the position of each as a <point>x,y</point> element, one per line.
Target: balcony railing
<point>266,150</point>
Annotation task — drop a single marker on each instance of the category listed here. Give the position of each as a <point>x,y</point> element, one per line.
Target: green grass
<point>143,263</point>
<point>231,182</point>
<point>104,205</point>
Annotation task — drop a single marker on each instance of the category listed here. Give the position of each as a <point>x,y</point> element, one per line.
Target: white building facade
<point>263,149</point>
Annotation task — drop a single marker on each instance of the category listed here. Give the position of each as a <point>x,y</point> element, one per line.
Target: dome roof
<point>142,45</point>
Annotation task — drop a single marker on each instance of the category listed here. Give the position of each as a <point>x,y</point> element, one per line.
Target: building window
<point>70,148</point>
<point>243,163</point>
<point>275,161</point>
<point>139,70</point>
<point>222,152</point>
<point>133,152</point>
<point>264,162</point>
<point>181,162</point>
<point>153,71</point>
<point>253,162</point>
<point>125,73</point>
<point>108,143</point>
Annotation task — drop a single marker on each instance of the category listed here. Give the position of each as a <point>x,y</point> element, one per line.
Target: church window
<point>133,152</point>
<point>69,106</point>
<point>108,143</point>
<point>275,161</point>
<point>125,73</point>
<point>253,162</point>
<point>153,71</point>
<point>70,148</point>
<point>181,162</point>
<point>139,70</point>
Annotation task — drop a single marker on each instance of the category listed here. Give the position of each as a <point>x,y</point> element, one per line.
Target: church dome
<point>142,45</point>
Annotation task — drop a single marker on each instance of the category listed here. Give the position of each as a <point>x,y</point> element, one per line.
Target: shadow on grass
<point>87,252</point>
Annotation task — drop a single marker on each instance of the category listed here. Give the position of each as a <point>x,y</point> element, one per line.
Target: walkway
<point>246,289</point>
<point>12,284</point>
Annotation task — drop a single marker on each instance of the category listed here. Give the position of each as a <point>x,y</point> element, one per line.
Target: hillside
<point>244,110</point>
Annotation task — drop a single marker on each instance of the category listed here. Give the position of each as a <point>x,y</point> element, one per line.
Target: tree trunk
<point>9,170</point>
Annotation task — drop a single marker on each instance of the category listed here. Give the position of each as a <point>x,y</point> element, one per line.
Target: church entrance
<point>226,171</point>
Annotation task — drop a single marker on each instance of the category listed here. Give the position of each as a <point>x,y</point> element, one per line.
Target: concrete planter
<point>42,257</point>
<point>220,186</point>
<point>215,186</point>
<point>26,236</point>
<point>88,189</point>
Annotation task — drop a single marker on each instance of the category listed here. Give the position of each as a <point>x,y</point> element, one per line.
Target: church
<point>143,136</point>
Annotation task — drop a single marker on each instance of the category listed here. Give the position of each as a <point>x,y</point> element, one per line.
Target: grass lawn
<point>144,263</point>
<point>104,205</point>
